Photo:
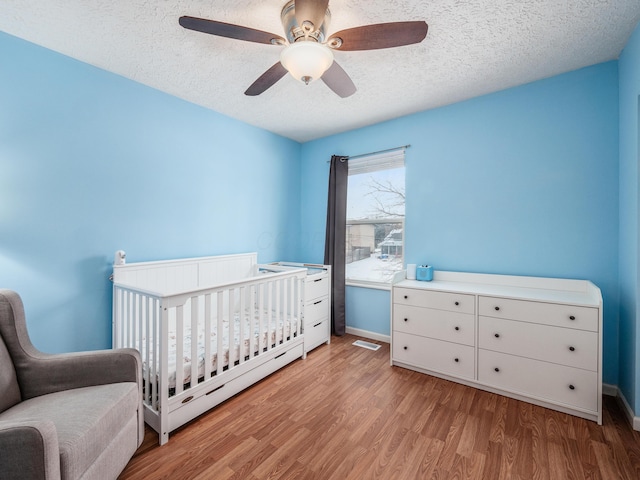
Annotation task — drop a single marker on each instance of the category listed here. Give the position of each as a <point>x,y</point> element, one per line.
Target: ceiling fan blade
<point>311,11</point>
<point>266,80</point>
<point>337,80</point>
<point>230,30</point>
<point>381,35</point>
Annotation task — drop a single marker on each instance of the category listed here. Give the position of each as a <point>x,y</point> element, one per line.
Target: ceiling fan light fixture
<point>306,60</point>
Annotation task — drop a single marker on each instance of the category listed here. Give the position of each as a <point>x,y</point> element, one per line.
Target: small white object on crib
<point>120,258</point>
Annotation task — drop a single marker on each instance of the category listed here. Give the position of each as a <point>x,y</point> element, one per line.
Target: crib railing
<point>244,318</point>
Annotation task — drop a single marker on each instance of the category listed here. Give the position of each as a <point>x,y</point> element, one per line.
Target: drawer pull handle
<point>457,303</point>
<point>406,348</point>
<point>215,389</point>
<point>457,329</point>
<point>317,325</point>
<point>318,280</point>
<point>572,317</point>
<point>496,369</point>
<point>497,335</point>
<point>406,319</point>
<point>456,360</point>
<point>316,303</point>
<point>406,296</point>
<point>573,349</point>
<point>497,308</point>
<point>571,387</point>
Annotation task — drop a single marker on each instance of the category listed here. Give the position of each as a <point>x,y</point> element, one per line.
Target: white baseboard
<point>631,416</point>
<point>614,391</point>
<point>610,390</point>
<point>366,334</point>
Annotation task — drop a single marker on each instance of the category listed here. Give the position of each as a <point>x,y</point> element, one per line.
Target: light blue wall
<point>629,71</point>
<point>91,163</point>
<point>524,182</point>
<point>368,309</point>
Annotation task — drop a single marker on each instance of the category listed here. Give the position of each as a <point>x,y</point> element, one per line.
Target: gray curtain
<point>334,247</point>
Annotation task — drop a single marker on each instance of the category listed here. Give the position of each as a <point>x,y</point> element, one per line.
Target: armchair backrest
<point>9,388</point>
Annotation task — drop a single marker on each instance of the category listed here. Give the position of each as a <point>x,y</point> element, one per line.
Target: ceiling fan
<point>308,52</point>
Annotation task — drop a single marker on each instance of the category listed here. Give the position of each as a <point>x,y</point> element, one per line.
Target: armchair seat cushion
<point>86,420</point>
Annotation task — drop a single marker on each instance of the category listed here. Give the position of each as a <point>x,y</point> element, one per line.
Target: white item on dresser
<point>411,271</point>
<point>534,339</point>
<point>206,329</point>
<point>317,307</point>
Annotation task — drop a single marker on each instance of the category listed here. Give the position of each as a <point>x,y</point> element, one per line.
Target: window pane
<point>375,224</point>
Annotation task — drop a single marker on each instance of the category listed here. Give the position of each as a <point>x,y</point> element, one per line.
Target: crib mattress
<point>273,332</point>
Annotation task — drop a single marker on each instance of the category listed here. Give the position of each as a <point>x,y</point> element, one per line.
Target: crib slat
<point>163,385</point>
<point>285,308</point>
<point>252,321</point>
<point>270,340</point>
<point>149,378</point>
<point>129,317</point>
<point>134,320</point>
<point>145,345</point>
<point>195,360</point>
<point>179,349</point>
<point>117,317</point>
<point>292,309</point>
<point>278,312</point>
<point>157,348</point>
<point>232,325</point>
<point>127,306</point>
<point>115,321</point>
<point>262,337</point>
<point>207,336</point>
<point>136,341</point>
<point>300,303</point>
<point>242,315</point>
<point>220,332</point>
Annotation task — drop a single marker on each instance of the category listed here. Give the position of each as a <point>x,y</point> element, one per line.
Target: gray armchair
<point>65,416</point>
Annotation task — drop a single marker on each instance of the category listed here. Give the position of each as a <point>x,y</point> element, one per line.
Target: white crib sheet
<point>273,332</point>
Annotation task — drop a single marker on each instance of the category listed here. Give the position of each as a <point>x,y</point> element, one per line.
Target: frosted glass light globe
<point>306,60</point>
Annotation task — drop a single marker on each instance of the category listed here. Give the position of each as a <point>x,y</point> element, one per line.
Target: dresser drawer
<point>566,346</point>
<point>455,302</point>
<point>569,386</point>
<point>316,310</point>
<point>435,355</point>
<point>316,333</point>
<point>583,318</point>
<point>316,286</point>
<point>439,324</point>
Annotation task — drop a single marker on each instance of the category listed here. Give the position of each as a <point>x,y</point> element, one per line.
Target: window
<point>375,217</point>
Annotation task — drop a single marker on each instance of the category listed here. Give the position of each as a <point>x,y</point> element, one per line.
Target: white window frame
<point>376,162</point>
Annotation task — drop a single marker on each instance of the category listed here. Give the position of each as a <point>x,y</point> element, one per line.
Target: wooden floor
<point>344,413</point>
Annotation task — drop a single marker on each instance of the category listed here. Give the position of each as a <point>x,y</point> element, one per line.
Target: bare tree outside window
<point>388,196</point>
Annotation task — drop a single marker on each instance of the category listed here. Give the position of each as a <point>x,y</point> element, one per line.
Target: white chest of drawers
<point>535,339</point>
<point>317,303</point>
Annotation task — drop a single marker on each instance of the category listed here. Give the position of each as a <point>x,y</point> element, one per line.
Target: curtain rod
<point>375,153</point>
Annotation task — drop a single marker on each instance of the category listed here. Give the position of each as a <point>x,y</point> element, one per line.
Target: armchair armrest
<point>29,450</point>
<point>47,373</point>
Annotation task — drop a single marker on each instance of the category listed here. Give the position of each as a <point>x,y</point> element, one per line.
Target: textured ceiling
<point>473,47</point>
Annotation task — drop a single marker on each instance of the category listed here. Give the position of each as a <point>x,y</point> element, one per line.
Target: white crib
<point>206,328</point>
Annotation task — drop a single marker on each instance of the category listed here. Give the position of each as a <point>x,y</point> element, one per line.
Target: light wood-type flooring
<point>344,413</point>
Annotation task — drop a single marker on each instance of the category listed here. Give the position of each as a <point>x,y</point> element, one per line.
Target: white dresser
<point>534,339</point>
<point>317,303</point>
